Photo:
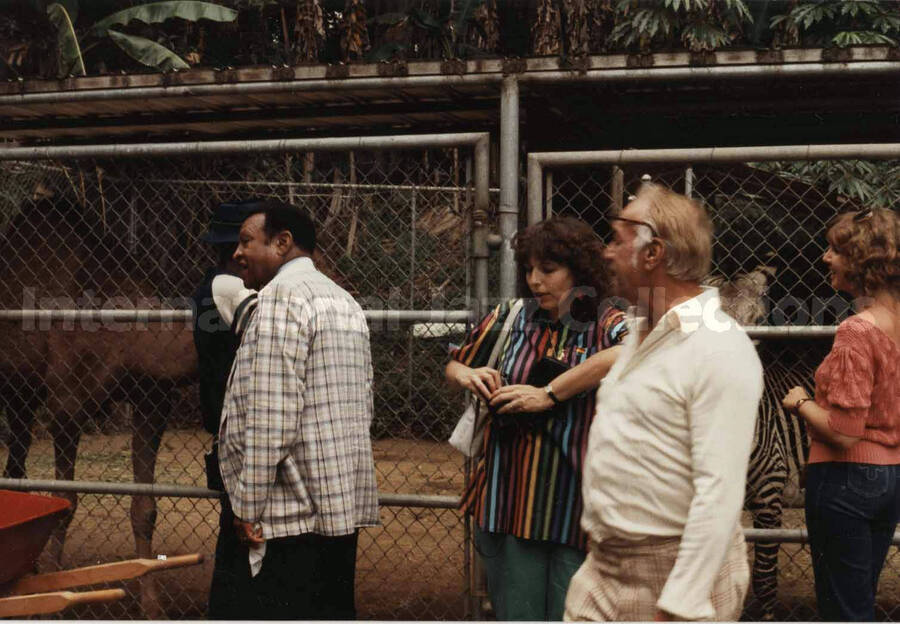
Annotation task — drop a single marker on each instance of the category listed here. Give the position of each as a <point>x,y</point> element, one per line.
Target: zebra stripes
<point>780,448</point>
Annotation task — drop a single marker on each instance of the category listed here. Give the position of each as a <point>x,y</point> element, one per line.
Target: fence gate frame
<point>478,142</point>
<point>541,164</point>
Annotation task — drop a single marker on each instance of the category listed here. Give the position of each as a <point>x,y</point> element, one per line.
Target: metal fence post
<point>509,183</point>
<point>534,189</point>
<point>480,251</point>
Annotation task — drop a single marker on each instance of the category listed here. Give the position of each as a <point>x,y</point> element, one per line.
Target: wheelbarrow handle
<point>104,573</point>
<point>40,604</point>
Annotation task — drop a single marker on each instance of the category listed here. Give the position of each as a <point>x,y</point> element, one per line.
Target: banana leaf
<point>41,6</point>
<point>464,14</point>
<point>147,52</point>
<point>425,20</point>
<point>157,12</point>
<point>388,18</point>
<point>386,51</point>
<point>70,60</point>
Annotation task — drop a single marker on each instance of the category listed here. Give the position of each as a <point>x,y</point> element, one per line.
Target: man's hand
<point>247,535</point>
<point>520,398</point>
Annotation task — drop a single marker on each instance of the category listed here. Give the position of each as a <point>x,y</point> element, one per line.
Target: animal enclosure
<point>398,229</point>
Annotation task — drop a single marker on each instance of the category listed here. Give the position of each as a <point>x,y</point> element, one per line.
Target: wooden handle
<point>104,573</point>
<point>40,604</point>
<point>178,561</point>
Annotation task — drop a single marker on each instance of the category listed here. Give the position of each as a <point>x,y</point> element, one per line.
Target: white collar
<point>303,263</point>
<point>688,316</point>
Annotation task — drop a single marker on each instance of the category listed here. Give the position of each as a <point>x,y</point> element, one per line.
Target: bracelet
<point>549,390</point>
<point>801,402</point>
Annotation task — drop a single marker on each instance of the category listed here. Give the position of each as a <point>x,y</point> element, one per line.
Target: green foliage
<point>68,51</point>
<point>63,15</point>
<point>870,184</point>
<point>418,30</point>
<point>839,22</point>
<point>158,12</point>
<point>412,29</point>
<point>699,25</point>
<point>147,52</point>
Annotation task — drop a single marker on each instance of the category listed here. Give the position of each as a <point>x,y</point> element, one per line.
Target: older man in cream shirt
<point>668,450</point>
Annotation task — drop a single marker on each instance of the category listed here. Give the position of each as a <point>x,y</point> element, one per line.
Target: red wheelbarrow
<point>26,521</point>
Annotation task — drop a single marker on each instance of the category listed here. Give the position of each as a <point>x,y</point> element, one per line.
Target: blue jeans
<point>851,512</point>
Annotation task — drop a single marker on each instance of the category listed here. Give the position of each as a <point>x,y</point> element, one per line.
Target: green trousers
<point>527,579</point>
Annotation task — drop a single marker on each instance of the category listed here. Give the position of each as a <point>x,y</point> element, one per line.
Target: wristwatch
<point>801,402</point>
<point>549,390</point>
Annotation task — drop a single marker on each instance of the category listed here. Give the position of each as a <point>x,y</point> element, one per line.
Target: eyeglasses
<point>862,215</point>
<point>636,222</point>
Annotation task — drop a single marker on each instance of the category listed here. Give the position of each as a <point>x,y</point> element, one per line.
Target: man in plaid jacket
<point>295,451</point>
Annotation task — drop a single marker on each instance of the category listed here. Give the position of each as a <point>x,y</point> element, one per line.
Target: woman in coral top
<point>853,477</point>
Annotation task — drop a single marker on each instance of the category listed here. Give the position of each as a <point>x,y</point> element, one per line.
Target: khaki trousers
<point>622,581</point>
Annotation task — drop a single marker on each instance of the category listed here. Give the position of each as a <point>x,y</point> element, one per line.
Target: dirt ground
<point>412,567</point>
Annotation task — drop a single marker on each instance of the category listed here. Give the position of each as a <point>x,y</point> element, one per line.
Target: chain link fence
<point>122,233</point>
<point>770,215</point>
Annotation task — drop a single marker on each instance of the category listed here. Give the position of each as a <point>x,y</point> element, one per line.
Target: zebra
<point>780,443</point>
<point>778,457</point>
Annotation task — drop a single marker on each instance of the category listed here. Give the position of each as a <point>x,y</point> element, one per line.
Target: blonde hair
<point>869,243</point>
<point>684,227</point>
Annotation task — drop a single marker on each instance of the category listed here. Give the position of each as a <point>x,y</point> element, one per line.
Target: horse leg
<point>66,432</point>
<point>148,424</point>
<point>20,408</point>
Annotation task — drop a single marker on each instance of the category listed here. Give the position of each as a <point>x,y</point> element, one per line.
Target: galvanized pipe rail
<point>384,317</point>
<point>783,536</point>
<point>715,72</point>
<point>186,315</point>
<point>198,148</point>
<point>538,161</point>
<point>162,490</point>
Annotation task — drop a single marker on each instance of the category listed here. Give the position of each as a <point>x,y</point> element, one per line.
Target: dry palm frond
<point>578,26</point>
<point>355,36</point>
<point>545,32</point>
<point>487,34</point>
<point>309,31</point>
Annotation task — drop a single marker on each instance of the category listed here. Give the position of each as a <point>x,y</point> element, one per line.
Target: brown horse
<point>78,369</point>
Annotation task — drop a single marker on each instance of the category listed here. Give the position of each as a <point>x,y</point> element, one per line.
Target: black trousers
<point>303,577</point>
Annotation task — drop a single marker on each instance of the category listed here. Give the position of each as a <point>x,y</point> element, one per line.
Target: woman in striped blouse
<point>525,495</point>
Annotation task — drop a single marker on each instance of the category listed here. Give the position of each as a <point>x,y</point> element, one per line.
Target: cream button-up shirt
<point>669,447</point>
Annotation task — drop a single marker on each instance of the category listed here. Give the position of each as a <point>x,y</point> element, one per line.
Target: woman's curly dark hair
<point>869,243</point>
<point>573,243</point>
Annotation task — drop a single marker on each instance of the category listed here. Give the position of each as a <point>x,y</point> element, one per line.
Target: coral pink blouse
<point>859,384</point>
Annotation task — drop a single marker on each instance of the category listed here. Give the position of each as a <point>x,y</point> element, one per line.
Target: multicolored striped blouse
<point>528,482</point>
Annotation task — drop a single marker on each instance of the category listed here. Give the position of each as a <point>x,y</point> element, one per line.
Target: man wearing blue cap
<point>222,308</point>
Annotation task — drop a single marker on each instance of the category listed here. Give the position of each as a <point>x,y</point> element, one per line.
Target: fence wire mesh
<point>394,230</point>
<point>770,221</point>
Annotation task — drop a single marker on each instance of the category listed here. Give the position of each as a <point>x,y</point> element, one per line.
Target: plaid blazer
<point>294,444</point>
